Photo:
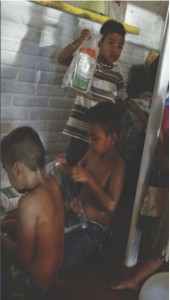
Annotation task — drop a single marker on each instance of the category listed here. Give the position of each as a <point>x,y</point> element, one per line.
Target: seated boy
<point>101,174</point>
<point>30,263</point>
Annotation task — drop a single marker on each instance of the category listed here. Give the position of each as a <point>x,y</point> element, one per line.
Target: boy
<point>29,263</point>
<point>101,172</point>
<point>107,85</point>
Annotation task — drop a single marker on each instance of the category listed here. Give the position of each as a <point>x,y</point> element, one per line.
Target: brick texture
<point>31,37</point>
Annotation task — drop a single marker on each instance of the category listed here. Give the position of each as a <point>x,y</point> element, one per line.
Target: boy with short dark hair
<point>101,172</point>
<point>29,264</point>
<point>107,84</point>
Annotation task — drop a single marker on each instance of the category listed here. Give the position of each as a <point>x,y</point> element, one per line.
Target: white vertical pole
<point>152,134</point>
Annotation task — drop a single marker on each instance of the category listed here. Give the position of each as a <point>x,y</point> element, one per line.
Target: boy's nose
<point>114,49</point>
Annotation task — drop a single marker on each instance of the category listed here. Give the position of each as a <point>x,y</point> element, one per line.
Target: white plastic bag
<point>80,73</point>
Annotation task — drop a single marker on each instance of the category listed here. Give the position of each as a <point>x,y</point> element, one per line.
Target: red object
<point>165,121</point>
<point>89,51</point>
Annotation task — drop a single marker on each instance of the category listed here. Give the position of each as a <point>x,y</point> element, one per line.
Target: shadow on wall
<point>31,77</point>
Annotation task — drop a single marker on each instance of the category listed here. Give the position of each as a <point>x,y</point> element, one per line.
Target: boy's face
<point>111,47</point>
<point>14,176</point>
<point>99,141</point>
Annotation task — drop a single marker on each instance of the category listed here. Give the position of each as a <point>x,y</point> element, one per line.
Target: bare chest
<point>100,170</point>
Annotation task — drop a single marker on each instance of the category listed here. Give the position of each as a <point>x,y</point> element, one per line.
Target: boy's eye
<point>119,46</point>
<point>93,138</point>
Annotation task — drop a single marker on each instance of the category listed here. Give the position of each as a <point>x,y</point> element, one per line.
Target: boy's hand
<point>85,35</point>
<point>61,158</point>
<point>79,174</point>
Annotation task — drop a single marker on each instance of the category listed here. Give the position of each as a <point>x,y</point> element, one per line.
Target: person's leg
<point>75,151</point>
<point>142,273</point>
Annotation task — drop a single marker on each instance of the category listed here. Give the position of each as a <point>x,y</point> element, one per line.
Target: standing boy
<point>101,172</point>
<point>29,264</point>
<point>107,85</point>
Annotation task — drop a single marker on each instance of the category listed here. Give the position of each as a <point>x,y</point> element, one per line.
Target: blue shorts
<point>78,244</point>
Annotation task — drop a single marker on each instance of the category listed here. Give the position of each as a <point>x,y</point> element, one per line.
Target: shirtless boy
<point>29,263</point>
<point>101,172</point>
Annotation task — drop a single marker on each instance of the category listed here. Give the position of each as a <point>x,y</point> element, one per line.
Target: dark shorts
<point>79,244</point>
<point>16,283</point>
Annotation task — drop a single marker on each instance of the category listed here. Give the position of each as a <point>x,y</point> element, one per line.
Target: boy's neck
<point>35,179</point>
<point>104,63</point>
<point>109,154</point>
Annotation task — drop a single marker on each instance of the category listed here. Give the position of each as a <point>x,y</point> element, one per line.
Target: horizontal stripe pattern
<point>107,85</point>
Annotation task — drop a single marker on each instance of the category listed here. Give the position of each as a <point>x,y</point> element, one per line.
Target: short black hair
<point>107,115</point>
<point>142,78</point>
<point>112,26</point>
<point>23,144</point>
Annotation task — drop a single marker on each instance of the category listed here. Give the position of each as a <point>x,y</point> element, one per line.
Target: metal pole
<point>152,134</point>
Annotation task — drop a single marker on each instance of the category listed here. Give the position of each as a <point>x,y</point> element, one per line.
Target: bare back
<point>41,231</point>
<point>109,173</point>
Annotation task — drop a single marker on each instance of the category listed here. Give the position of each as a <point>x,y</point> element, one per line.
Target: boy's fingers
<point>86,34</point>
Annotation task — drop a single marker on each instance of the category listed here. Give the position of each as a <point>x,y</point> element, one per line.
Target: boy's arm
<point>9,246</point>
<point>142,115</point>
<point>8,225</point>
<point>66,55</point>
<point>22,249</point>
<point>109,199</point>
<point>26,227</point>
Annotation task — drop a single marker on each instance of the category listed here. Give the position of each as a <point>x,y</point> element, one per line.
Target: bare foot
<point>129,284</point>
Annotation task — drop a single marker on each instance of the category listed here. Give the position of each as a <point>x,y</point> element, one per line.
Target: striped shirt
<point>107,85</point>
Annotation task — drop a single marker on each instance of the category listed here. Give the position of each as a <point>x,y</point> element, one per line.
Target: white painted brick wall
<point>31,78</point>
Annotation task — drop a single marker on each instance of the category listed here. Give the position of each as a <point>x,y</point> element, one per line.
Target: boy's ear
<point>114,138</point>
<point>100,42</point>
<point>17,168</point>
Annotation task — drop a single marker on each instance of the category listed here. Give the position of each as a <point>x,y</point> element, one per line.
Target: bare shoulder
<point>42,195</point>
<point>118,164</point>
<point>118,160</point>
<point>27,209</point>
<point>25,200</point>
<point>122,162</point>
